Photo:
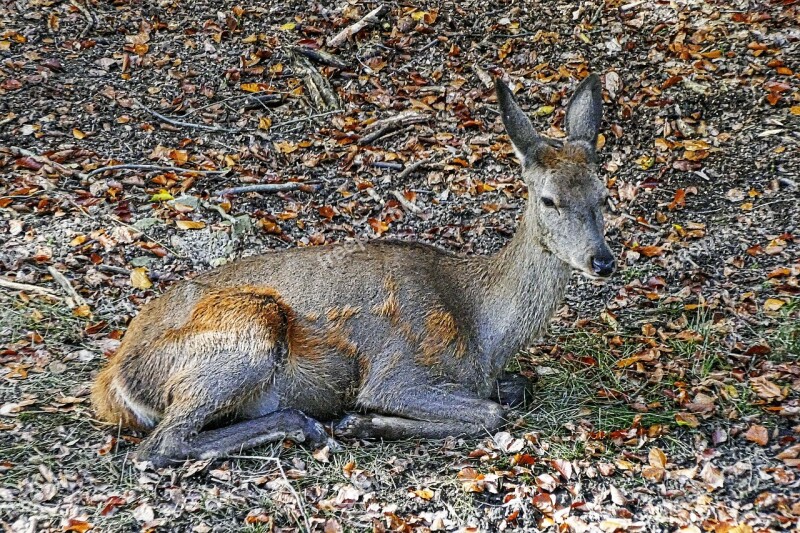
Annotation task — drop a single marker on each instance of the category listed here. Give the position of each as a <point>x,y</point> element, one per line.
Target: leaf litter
<point>668,398</point>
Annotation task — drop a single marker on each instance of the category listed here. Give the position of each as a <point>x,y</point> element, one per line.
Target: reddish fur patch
<point>390,308</point>
<point>440,332</point>
<point>236,309</point>
<point>553,157</point>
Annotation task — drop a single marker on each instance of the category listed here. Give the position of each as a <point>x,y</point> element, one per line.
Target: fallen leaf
<point>757,434</point>
<point>712,476</point>
<point>139,279</point>
<point>190,224</point>
<point>687,419</point>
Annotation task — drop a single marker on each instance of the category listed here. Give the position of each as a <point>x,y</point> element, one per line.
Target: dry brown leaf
<point>657,458</point>
<point>757,434</point>
<point>190,224</point>
<point>712,476</point>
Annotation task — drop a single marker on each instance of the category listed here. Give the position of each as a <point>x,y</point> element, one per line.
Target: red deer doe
<point>402,340</point>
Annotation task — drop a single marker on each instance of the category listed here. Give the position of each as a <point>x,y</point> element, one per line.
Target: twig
<point>75,299</point>
<point>152,167</point>
<point>272,188</point>
<point>318,86</point>
<point>113,269</point>
<point>7,284</point>
<point>412,167</point>
<point>386,164</point>
<point>390,124</point>
<point>406,203</point>
<point>183,124</point>
<point>320,56</point>
<point>370,18</point>
<point>285,480</point>
<point>90,20</point>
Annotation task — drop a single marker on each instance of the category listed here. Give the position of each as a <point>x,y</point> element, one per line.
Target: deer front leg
<point>513,390</point>
<point>426,412</point>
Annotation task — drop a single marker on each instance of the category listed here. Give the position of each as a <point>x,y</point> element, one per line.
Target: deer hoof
<point>353,426</point>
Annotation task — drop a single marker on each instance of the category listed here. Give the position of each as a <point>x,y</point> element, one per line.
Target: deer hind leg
<point>423,411</point>
<point>204,395</point>
<point>168,446</point>
<point>198,400</point>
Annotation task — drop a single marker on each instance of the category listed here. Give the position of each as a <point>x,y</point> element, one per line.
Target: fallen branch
<point>318,87</point>
<point>320,57</point>
<point>161,168</point>
<point>182,124</point>
<point>390,124</point>
<point>13,285</point>
<point>74,299</point>
<point>406,203</point>
<point>272,188</point>
<point>370,18</point>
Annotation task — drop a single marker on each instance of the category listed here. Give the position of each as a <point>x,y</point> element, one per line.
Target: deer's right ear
<point>524,138</point>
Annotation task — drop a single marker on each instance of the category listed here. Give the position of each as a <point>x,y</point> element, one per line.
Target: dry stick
<point>318,86</point>
<point>406,203</point>
<point>387,164</point>
<point>75,299</point>
<point>390,124</point>
<point>272,188</point>
<point>113,269</point>
<point>7,284</point>
<point>413,167</point>
<point>371,18</point>
<point>320,56</point>
<point>183,124</point>
<point>152,167</point>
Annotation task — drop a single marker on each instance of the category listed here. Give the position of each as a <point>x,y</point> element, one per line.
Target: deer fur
<point>395,340</point>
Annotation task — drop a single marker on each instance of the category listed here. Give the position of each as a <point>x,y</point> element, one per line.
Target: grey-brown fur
<point>410,340</point>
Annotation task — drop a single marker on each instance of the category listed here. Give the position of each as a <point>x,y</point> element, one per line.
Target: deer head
<point>565,195</point>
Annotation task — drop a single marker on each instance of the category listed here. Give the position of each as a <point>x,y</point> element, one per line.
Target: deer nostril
<point>603,266</point>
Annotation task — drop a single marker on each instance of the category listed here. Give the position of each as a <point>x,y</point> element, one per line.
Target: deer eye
<point>548,202</point>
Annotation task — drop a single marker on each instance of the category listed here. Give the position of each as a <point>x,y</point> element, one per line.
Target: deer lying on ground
<point>403,340</point>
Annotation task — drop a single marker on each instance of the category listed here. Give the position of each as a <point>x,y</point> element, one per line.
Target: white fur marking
<point>146,416</point>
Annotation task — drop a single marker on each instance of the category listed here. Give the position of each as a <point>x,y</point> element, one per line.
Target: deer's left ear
<point>584,112</point>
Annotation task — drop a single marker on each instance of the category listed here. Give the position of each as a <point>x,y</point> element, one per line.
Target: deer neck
<point>521,288</point>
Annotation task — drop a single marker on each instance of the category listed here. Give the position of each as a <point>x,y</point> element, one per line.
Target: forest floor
<point>669,396</point>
